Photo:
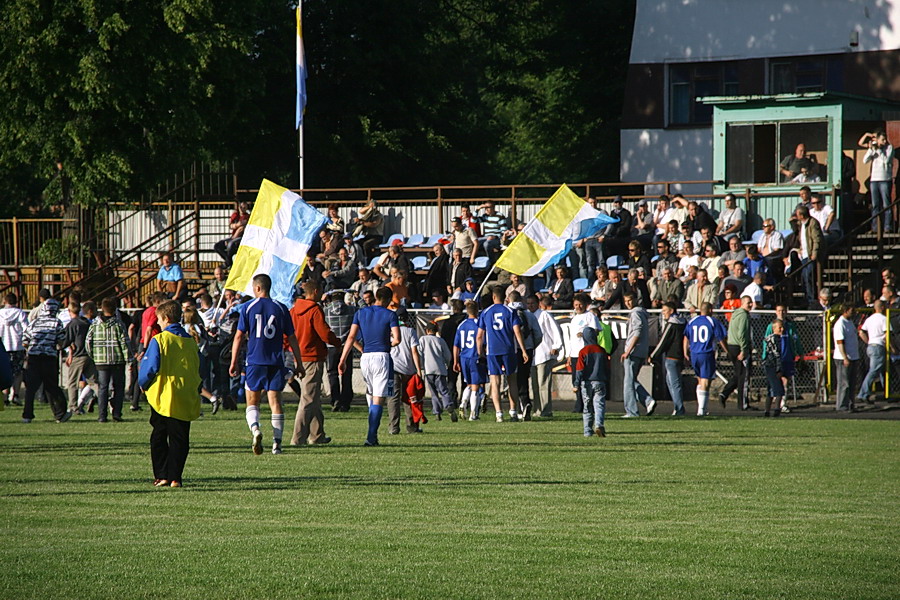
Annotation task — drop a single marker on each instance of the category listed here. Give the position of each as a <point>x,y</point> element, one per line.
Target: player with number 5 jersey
<point>700,337</point>
<point>264,323</point>
<point>500,334</point>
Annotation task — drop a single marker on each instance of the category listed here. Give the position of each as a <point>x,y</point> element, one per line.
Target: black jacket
<point>438,277</point>
<point>639,290</point>
<point>671,341</point>
<point>623,227</point>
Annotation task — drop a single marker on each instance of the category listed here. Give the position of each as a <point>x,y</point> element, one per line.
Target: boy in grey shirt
<point>437,357</point>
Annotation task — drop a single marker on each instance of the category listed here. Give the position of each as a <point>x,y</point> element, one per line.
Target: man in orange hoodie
<point>312,334</point>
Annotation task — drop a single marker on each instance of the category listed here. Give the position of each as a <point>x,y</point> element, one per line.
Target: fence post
<point>140,276</point>
<point>512,208</point>
<point>15,240</point>
<point>196,221</point>
<point>440,203</point>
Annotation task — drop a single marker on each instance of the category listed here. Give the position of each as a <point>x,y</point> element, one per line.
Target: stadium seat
<point>373,262</point>
<point>419,263</point>
<point>431,241</point>
<point>756,235</point>
<point>785,232</point>
<point>414,240</point>
<point>480,263</point>
<point>612,262</point>
<point>580,284</point>
<point>396,236</point>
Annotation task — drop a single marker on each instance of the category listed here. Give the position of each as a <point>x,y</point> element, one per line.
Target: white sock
<point>84,395</point>
<point>702,398</point>
<point>465,398</point>
<point>252,414</point>
<point>277,427</point>
<point>512,413</point>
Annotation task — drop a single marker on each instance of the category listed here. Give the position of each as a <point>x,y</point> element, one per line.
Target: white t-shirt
<point>755,292</point>
<point>662,219</point>
<point>882,163</point>
<point>821,215</point>
<point>846,332</point>
<point>688,261</point>
<point>576,325</point>
<point>730,216</point>
<point>876,328</point>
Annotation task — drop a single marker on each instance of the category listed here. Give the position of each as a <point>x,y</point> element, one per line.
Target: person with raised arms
<point>379,329</point>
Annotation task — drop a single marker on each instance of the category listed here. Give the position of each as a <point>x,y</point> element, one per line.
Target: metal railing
<point>52,241</point>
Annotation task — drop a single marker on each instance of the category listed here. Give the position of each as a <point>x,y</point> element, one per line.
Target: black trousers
<point>341,386</point>
<point>740,379</point>
<point>43,370</point>
<point>523,377</point>
<point>169,445</point>
<point>579,404</point>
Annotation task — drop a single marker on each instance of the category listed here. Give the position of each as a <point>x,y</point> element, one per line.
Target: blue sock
<point>375,411</point>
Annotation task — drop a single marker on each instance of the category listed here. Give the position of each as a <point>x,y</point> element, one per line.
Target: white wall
<point>691,30</point>
<point>667,155</point>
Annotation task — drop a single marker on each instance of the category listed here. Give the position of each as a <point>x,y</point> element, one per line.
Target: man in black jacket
<point>632,285</point>
<point>670,353</point>
<point>617,235</point>
<point>438,277</point>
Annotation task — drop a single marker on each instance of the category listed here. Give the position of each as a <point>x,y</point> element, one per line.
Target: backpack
<point>523,323</point>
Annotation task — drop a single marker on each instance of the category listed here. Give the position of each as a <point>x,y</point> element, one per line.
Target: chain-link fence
<point>889,383</point>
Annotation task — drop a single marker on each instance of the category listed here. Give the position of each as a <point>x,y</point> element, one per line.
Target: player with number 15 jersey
<point>473,372</point>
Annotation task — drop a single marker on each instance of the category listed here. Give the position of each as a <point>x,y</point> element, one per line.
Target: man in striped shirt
<point>493,224</point>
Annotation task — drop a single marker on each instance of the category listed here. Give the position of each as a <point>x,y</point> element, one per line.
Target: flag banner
<point>276,241</point>
<point>301,73</point>
<point>565,218</point>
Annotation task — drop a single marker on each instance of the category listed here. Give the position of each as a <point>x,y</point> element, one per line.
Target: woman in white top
<point>881,155</point>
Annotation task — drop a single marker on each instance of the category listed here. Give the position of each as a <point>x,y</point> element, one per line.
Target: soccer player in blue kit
<point>700,337</point>
<point>498,332</point>
<point>467,362</point>
<point>379,329</point>
<point>264,323</point>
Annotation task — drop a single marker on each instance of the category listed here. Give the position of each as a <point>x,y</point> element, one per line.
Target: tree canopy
<point>401,92</point>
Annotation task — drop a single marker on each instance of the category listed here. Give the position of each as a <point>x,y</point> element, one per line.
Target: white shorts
<point>378,373</point>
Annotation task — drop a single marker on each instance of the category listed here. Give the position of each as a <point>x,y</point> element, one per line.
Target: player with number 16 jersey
<point>265,322</point>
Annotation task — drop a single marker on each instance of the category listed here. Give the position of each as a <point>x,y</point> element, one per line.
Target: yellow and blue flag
<point>301,73</point>
<point>565,218</point>
<point>276,241</point>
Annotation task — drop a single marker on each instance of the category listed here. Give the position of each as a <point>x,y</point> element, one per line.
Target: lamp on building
<point>854,38</point>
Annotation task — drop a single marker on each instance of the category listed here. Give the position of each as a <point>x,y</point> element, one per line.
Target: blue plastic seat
<point>419,262</point>
<point>396,236</point>
<point>580,284</point>
<point>431,241</point>
<point>480,263</point>
<point>373,262</point>
<point>756,236</point>
<point>414,240</point>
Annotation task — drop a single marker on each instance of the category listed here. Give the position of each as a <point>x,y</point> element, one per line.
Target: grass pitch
<point>662,508</point>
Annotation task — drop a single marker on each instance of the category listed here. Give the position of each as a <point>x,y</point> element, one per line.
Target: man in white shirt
<point>846,355</point>
<point>873,334</point>
<point>581,318</point>
<point>755,290</point>
<point>687,261</point>
<point>662,215</point>
<point>881,154</point>
<point>824,214</point>
<point>731,220</point>
<point>546,354</point>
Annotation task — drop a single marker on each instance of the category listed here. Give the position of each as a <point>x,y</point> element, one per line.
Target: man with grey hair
<point>811,252</point>
<point>668,287</point>
<point>824,299</point>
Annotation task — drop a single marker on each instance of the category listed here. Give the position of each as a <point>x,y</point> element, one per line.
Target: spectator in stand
<point>393,258</point>
<point>617,235</point>
<point>735,253</point>
<point>699,218</point>
<point>873,333</point>
<point>42,340</point>
<point>662,215</point>
<point>708,236</point>
<point>598,289</point>
<point>643,223</point>
<point>824,300</point>
<point>702,290</point>
<point>741,353</point>
<point>493,224</point>
<point>755,263</point>
<point>465,240</point>
<point>793,164</point>
<point>737,278</point>
<point>170,279</point>
<point>633,285</point>
<point>756,290</point>
<point>354,250</point>
<point>846,356</point>
<point>888,277</point>
<point>469,220</point>
<point>687,235</point>
<point>688,260</point>
<point>771,248</point>
<point>460,270</point>
<point>516,284</point>
<point>438,277</point>
<point>881,154</point>
<point>731,302</point>
<point>811,250</point>
<point>468,291</point>
<point>13,321</point>
<point>674,237</point>
<point>667,288</point>
<point>665,258</point>
<point>335,222</point>
<point>364,283</point>
<point>370,224</point>
<point>237,223</point>
<point>562,290</point>
<point>711,263</point>
<point>670,352</point>
<point>824,214</point>
<point>215,287</point>
<point>731,220</point>
<point>329,244</point>
<point>638,260</point>
<point>342,273</point>
<point>869,298</point>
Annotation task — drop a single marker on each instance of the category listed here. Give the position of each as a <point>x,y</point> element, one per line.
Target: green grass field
<point>662,508</point>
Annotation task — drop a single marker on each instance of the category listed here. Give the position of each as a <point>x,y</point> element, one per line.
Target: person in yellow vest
<point>170,377</point>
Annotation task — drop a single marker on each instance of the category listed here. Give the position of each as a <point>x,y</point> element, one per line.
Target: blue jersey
<point>703,332</point>
<point>497,321</point>
<point>465,339</point>
<point>265,322</point>
<point>375,323</point>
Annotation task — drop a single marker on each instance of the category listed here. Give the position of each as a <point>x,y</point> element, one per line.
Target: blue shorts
<point>473,371</point>
<point>502,364</point>
<point>704,364</point>
<point>264,378</point>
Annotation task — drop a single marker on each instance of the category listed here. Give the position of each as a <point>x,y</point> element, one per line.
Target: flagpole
<point>300,154</point>
<point>300,116</point>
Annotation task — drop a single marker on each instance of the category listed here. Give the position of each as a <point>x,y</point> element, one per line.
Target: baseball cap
<point>456,220</point>
<point>348,236</point>
<point>642,202</point>
<point>468,279</point>
<point>617,199</point>
<point>397,242</point>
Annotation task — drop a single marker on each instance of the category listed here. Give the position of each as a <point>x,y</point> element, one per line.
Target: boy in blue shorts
<point>499,332</point>
<point>700,337</point>
<point>264,323</point>
<point>379,329</point>
<point>467,362</point>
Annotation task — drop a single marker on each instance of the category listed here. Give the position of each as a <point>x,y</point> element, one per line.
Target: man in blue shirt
<point>467,361</point>
<point>498,333</point>
<point>700,337</point>
<point>264,323</point>
<point>170,279</point>
<point>378,329</point>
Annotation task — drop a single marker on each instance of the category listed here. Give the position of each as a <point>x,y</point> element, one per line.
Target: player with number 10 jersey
<point>702,333</point>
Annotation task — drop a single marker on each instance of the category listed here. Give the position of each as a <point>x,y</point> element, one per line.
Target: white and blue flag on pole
<point>276,241</point>
<point>301,73</point>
